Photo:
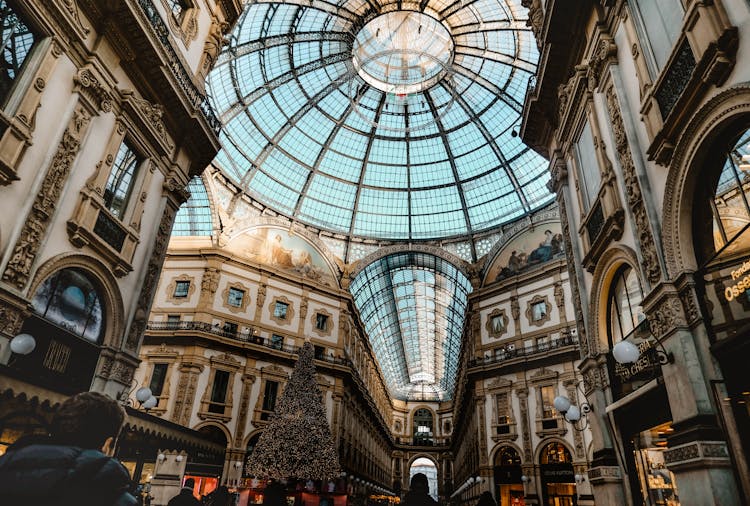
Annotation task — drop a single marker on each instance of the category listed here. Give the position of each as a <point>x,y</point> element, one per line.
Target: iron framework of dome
<point>381,120</point>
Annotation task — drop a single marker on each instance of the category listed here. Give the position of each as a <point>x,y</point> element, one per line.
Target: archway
<point>207,474</point>
<point>508,484</point>
<point>558,478</point>
<point>428,468</point>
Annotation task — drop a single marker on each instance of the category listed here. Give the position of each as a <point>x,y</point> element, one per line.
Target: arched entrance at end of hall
<point>557,475</point>
<point>508,484</point>
<point>427,467</point>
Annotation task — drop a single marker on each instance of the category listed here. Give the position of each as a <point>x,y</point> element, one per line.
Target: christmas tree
<point>297,442</point>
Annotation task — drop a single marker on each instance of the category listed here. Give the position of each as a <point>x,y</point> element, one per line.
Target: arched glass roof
<point>194,216</point>
<point>381,119</point>
<point>413,306</point>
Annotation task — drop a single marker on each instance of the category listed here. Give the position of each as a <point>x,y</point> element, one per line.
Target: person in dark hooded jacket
<point>419,492</point>
<point>72,466</point>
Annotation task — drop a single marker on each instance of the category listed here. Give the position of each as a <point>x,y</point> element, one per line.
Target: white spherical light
<point>561,403</point>
<point>625,352</point>
<point>573,414</point>
<point>142,394</point>
<point>23,344</point>
<point>150,402</point>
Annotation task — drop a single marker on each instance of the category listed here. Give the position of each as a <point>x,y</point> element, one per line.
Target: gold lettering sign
<point>734,291</point>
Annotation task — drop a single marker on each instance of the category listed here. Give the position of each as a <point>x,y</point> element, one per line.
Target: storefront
<point>508,483</point>
<point>558,477</point>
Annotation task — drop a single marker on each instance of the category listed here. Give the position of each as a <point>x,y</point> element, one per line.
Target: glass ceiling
<point>378,119</point>
<point>413,306</point>
<point>194,216</point>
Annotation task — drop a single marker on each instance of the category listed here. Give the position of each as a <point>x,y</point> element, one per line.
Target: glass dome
<point>371,119</point>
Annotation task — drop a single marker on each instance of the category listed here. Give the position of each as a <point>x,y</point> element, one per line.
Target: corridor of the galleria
<point>513,236</point>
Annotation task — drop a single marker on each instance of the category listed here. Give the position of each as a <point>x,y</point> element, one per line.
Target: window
<point>280,310</point>
<point>235,297</point>
<point>321,321</point>
<point>173,321</point>
<point>219,392</point>
<point>17,41</point>
<point>230,328</point>
<point>625,298</point>
<point>158,375</point>
<point>319,352</point>
<point>269,399</point>
<point>539,311</point>
<point>178,7</point>
<point>70,300</point>
<point>661,23</point>
<point>277,341</point>
<point>547,394</point>
<point>498,324</point>
<point>503,413</point>
<point>181,289</point>
<point>589,175</point>
<point>121,179</point>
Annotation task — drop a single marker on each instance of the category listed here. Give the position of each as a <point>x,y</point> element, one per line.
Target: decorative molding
<point>18,269</point>
<point>497,316</point>
<point>287,320</point>
<point>545,317</point>
<point>573,279</point>
<point>215,41</point>
<point>185,28</point>
<point>91,88</point>
<point>696,453</point>
<point>329,322</point>
<point>665,315</point>
<point>245,297</point>
<point>633,191</point>
<point>173,285</point>
<point>604,55</point>
<point>153,271</point>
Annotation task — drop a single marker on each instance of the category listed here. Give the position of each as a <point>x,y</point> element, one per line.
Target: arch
<point>422,455</point>
<point>457,262</point>
<point>246,441</point>
<point>209,425</point>
<point>721,114</point>
<point>546,442</point>
<point>606,268</point>
<point>114,331</point>
<point>505,444</point>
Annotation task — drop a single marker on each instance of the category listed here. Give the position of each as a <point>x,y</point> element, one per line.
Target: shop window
<point>625,299</point>
<point>181,289</point>
<point>558,478</point>
<point>219,392</point>
<point>656,481</point>
<point>660,25</point>
<point>321,321</point>
<point>269,399</point>
<point>158,376</point>
<point>280,310</point>
<point>235,297</point>
<point>18,40</point>
<point>120,182</point>
<point>69,299</point>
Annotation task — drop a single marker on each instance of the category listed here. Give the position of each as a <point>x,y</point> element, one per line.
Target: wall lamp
<point>573,413</point>
<point>626,352</point>
<point>22,344</point>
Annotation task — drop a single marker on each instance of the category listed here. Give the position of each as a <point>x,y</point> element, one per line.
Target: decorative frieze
<point>18,270</point>
<point>573,280</point>
<point>633,191</point>
<point>696,453</point>
<point>666,316</point>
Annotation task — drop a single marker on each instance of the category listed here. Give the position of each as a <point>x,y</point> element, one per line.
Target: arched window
<point>555,453</point>
<point>17,42</point>
<point>70,300</point>
<point>423,424</point>
<point>507,456</point>
<point>624,304</point>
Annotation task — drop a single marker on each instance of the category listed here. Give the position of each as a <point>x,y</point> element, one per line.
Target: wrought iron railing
<point>245,337</point>
<point>196,97</point>
<point>526,351</point>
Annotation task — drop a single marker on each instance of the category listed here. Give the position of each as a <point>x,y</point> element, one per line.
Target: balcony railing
<point>526,351</point>
<point>196,97</point>
<point>244,337</point>
<point>422,442</point>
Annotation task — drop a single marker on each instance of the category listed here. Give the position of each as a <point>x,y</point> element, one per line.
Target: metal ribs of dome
<point>306,135</point>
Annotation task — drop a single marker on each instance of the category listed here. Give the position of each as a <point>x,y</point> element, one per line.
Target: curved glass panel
<point>625,299</point>
<point>69,299</point>
<point>413,306</point>
<point>194,216</point>
<point>381,120</point>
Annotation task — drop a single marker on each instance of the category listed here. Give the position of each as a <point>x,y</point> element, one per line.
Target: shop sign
<point>740,285</point>
<point>647,361</point>
<point>556,473</point>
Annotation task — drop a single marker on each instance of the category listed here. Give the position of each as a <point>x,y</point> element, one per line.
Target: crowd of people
<point>74,465</point>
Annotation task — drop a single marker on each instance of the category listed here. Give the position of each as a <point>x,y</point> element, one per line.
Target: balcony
<point>568,342</point>
<point>239,337</point>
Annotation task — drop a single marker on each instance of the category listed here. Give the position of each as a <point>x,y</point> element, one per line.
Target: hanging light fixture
<point>23,344</point>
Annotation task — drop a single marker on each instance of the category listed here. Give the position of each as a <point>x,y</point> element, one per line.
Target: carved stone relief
<point>18,270</point>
